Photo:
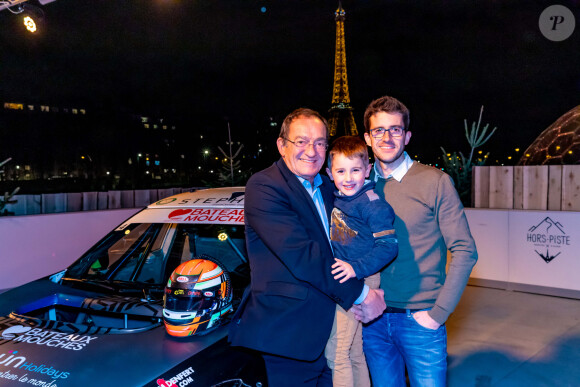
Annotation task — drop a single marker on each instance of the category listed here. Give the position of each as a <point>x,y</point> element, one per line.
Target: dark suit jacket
<point>290,307</point>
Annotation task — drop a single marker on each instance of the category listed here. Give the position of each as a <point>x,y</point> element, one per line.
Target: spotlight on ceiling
<point>32,17</point>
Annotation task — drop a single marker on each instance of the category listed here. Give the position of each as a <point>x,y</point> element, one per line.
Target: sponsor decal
<point>57,276</point>
<point>182,379</point>
<point>12,332</point>
<point>182,279</point>
<point>225,383</point>
<point>235,198</point>
<point>24,334</point>
<point>208,294</point>
<point>178,213</point>
<point>122,227</point>
<point>15,366</point>
<point>215,215</point>
<point>548,235</point>
<point>165,201</point>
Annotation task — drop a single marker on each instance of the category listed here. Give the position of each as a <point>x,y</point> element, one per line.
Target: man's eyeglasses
<point>318,145</point>
<point>394,131</point>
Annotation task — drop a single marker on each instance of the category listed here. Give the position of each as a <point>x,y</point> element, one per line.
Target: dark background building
<point>199,65</point>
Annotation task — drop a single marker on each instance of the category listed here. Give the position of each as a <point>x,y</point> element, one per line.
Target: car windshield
<point>147,253</point>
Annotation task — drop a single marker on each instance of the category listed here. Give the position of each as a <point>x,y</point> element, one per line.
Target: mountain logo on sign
<point>545,226</point>
<point>548,234</point>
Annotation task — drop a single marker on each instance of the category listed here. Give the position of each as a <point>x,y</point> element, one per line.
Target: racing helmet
<point>197,296</point>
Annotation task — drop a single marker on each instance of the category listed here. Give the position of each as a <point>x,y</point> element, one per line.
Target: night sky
<point>246,61</point>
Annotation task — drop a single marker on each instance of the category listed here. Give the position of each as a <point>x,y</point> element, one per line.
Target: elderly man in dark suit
<point>289,310</point>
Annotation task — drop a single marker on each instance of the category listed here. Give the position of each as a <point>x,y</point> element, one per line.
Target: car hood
<point>75,354</point>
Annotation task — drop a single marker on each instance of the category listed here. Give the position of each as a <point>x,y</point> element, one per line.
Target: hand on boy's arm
<point>342,269</point>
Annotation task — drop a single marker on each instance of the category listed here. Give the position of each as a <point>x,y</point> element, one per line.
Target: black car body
<point>100,322</point>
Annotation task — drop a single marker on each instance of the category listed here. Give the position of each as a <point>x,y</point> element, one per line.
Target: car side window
<point>148,253</point>
<point>225,243</point>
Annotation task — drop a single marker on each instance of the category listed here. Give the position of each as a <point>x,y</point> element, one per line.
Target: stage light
<point>29,23</point>
<point>32,17</point>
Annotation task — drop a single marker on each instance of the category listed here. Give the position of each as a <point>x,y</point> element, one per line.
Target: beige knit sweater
<point>429,220</point>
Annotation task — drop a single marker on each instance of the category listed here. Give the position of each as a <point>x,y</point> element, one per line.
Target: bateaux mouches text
<point>208,215</point>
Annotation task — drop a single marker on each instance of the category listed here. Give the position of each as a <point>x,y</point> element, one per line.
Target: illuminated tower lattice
<point>341,119</point>
<point>558,144</point>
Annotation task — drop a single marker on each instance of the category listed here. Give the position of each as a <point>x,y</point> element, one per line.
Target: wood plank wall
<point>88,201</point>
<point>570,188</point>
<point>536,187</point>
<point>501,187</point>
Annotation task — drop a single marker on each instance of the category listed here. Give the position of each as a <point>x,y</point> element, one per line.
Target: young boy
<point>364,240</point>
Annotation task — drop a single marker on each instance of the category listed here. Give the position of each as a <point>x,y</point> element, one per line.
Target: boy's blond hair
<point>350,146</point>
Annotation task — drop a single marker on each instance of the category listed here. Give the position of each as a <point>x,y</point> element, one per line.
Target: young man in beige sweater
<point>420,295</point>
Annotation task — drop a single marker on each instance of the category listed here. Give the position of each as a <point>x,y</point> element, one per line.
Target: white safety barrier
<point>534,251</point>
<point>33,246</point>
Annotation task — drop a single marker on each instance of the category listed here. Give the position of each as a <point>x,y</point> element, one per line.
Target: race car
<point>148,305</point>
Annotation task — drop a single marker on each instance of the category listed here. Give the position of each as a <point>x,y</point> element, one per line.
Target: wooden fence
<point>541,187</point>
<point>88,201</point>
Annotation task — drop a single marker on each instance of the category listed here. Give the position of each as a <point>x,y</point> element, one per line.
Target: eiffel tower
<point>341,119</point>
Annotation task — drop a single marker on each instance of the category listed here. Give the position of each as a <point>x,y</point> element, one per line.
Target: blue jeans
<point>395,340</point>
